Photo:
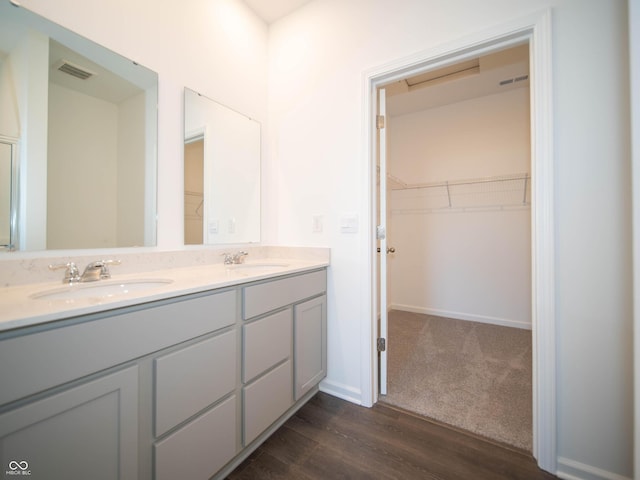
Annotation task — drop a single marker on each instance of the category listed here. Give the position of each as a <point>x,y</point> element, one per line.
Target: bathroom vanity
<point>183,381</point>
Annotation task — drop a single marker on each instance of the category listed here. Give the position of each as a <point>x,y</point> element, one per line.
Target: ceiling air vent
<point>509,81</point>
<point>74,70</point>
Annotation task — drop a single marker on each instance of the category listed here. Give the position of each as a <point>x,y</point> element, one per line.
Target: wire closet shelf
<point>468,194</point>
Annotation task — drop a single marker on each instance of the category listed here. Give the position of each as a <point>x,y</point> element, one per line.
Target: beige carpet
<point>470,375</point>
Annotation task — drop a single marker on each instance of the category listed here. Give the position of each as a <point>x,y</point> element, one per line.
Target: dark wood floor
<point>330,438</point>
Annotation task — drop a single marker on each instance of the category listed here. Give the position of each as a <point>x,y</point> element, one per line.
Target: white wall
<point>473,265</point>
<point>318,58</point>
<point>29,66</point>
<point>9,117</point>
<point>82,158</point>
<point>130,197</point>
<point>465,263</point>
<point>483,137</point>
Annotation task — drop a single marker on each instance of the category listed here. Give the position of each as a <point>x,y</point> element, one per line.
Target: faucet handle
<point>239,257</point>
<point>72,274</point>
<point>104,267</point>
<point>228,258</point>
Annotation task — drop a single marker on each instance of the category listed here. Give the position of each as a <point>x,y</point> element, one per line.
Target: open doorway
<point>458,221</point>
<point>536,29</point>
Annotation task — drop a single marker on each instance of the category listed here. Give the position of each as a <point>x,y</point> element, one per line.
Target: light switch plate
<point>349,223</point>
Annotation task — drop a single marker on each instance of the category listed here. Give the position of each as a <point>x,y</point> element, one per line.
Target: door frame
<point>536,30</point>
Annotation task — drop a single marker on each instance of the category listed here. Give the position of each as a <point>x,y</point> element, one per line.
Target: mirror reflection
<point>83,122</point>
<point>7,171</point>
<point>221,173</point>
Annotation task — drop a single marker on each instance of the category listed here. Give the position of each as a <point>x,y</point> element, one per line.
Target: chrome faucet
<point>92,272</point>
<point>234,258</point>
<point>98,270</point>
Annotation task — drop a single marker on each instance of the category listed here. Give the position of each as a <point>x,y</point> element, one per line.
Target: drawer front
<point>264,297</point>
<point>266,399</point>
<point>200,448</point>
<point>189,380</point>
<point>266,342</point>
<point>56,356</point>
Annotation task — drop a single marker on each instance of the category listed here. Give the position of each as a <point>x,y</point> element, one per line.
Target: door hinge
<point>380,121</point>
<point>382,345</point>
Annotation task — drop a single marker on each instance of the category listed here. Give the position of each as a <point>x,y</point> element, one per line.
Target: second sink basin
<point>101,289</point>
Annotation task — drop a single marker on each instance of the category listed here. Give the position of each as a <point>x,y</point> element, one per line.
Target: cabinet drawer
<point>200,448</point>
<point>190,379</point>
<point>59,355</point>
<point>266,342</point>
<point>266,399</point>
<point>264,297</point>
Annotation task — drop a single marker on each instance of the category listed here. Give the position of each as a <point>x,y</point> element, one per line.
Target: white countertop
<point>19,309</point>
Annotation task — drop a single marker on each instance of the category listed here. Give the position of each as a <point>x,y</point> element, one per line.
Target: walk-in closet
<point>458,178</point>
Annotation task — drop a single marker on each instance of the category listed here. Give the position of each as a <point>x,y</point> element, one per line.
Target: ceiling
<point>103,84</point>
<point>487,75</point>
<point>272,10</point>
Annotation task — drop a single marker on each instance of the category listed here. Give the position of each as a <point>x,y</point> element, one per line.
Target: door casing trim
<point>536,30</point>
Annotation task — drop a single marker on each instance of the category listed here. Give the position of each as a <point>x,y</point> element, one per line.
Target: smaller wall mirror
<point>221,173</point>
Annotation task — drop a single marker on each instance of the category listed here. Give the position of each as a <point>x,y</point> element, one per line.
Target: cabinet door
<point>310,344</point>
<point>89,431</point>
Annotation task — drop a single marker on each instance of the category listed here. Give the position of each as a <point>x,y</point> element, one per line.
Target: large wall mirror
<point>78,133</point>
<point>221,173</point>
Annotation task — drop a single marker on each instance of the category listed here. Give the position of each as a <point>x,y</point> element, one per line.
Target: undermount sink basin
<point>100,289</point>
<point>249,268</point>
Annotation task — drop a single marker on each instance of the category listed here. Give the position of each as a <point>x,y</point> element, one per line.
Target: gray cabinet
<point>310,344</point>
<point>79,398</point>
<point>68,351</point>
<point>178,388</point>
<point>87,431</point>
<point>284,347</point>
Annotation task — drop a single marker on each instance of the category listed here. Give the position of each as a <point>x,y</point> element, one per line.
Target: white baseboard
<point>345,392</point>
<point>572,470</point>
<point>463,316</point>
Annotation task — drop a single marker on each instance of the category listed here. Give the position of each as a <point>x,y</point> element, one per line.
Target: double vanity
<point>172,373</point>
<point>179,365</point>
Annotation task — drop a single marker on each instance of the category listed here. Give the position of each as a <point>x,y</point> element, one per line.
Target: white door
<point>382,237</point>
